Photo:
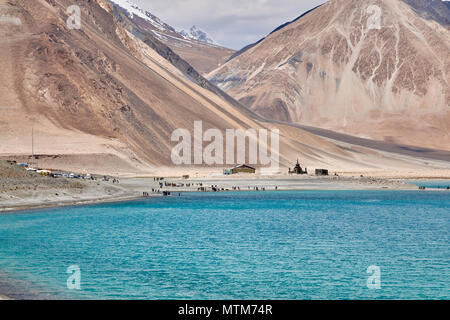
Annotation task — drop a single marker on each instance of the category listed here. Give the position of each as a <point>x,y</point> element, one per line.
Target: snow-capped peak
<point>135,10</point>
<point>197,34</point>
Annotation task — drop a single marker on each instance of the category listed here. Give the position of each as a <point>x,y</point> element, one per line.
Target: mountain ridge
<point>102,100</point>
<point>248,47</point>
<point>426,7</point>
<point>196,47</point>
<point>197,34</point>
<point>327,69</point>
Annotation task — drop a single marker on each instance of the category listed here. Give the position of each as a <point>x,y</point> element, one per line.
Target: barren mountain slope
<point>102,100</point>
<point>334,68</point>
<point>87,91</point>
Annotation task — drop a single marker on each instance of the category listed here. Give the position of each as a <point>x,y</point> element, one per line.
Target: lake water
<point>432,184</point>
<point>266,245</point>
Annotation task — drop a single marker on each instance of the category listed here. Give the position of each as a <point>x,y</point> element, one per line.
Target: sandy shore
<point>20,190</point>
<point>133,189</point>
<point>86,192</point>
<point>303,183</point>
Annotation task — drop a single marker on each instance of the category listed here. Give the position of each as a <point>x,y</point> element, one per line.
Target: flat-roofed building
<point>322,172</point>
<point>243,169</point>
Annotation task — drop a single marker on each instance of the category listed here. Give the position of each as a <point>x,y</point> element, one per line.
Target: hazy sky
<point>231,23</point>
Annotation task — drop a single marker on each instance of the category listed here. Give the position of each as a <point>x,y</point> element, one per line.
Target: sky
<point>231,23</point>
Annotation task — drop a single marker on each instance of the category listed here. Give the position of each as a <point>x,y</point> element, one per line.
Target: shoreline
<point>65,204</point>
<point>133,188</point>
<point>283,186</point>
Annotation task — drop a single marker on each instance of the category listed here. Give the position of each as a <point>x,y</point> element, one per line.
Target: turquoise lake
<point>246,245</point>
<point>432,184</point>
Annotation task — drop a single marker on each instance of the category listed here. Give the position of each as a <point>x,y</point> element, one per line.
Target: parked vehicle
<point>44,173</point>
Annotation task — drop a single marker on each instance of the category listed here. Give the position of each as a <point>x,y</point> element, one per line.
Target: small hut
<point>243,169</point>
<point>322,172</point>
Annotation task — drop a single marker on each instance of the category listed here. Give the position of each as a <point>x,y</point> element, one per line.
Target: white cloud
<point>232,23</point>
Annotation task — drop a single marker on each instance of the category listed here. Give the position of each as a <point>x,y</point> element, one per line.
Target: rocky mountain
<point>197,34</point>
<point>195,46</point>
<point>98,90</point>
<point>103,100</point>
<point>376,69</point>
<point>134,10</point>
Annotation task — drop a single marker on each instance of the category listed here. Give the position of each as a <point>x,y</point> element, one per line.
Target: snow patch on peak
<point>196,33</point>
<point>135,10</point>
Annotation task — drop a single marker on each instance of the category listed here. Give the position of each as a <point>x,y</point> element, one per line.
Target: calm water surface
<point>267,245</point>
<point>432,184</point>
